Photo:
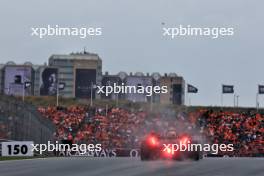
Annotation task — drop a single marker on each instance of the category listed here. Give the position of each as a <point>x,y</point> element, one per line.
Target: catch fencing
<point>20,121</point>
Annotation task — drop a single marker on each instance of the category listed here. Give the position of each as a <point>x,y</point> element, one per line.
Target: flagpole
<point>222,99</point>
<point>57,96</point>
<point>58,93</point>
<point>257,101</point>
<point>187,98</point>
<point>23,93</point>
<point>187,95</point>
<point>117,98</point>
<point>257,98</point>
<point>91,96</point>
<point>222,96</point>
<point>234,100</point>
<point>151,102</point>
<point>237,100</point>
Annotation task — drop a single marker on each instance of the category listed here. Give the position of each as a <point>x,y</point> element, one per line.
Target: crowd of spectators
<point>244,130</point>
<point>123,128</point>
<point>3,131</point>
<point>67,120</point>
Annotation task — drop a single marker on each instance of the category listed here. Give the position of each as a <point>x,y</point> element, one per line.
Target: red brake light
<point>153,141</point>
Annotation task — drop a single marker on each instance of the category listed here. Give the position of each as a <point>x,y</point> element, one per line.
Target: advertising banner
<point>48,81</point>
<point>14,79</point>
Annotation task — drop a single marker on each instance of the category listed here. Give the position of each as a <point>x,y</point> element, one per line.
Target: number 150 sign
<point>17,148</point>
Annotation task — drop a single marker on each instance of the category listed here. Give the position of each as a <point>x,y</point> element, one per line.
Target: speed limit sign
<point>17,148</point>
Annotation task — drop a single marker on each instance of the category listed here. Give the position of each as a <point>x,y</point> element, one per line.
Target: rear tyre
<point>180,157</point>
<point>196,156</point>
<point>144,153</point>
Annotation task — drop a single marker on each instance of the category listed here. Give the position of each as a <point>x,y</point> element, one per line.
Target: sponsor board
<point>103,153</point>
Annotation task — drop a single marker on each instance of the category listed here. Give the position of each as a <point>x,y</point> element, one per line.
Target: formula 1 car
<point>155,147</point>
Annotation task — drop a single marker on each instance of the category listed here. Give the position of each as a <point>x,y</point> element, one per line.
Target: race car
<point>155,146</point>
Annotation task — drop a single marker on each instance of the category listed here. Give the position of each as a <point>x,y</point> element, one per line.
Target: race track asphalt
<point>80,166</point>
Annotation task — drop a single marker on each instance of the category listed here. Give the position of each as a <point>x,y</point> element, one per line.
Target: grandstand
<point>123,128</point>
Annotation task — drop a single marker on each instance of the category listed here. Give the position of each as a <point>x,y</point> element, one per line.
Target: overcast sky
<point>132,39</point>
